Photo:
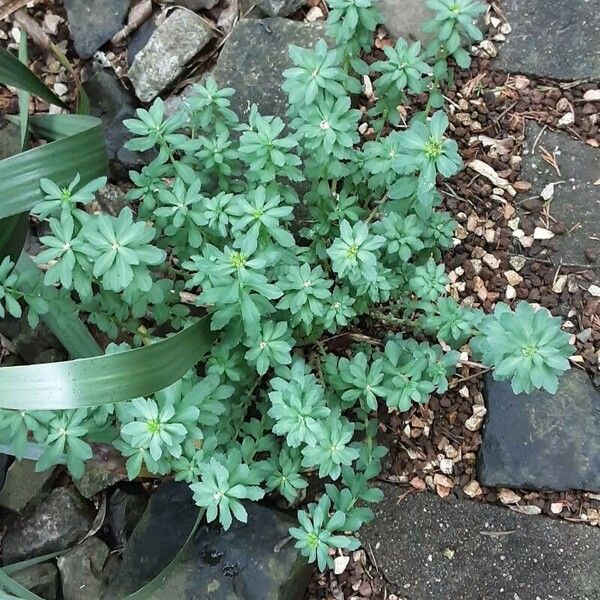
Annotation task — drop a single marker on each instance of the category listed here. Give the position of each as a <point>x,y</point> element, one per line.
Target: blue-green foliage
<point>220,225</point>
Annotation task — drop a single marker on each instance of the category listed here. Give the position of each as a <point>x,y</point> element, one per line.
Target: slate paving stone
<point>246,562</point>
<point>576,202</point>
<point>404,18</point>
<point>94,22</point>
<point>254,57</point>
<point>558,39</point>
<point>280,8</point>
<point>433,549</point>
<point>40,579</point>
<point>540,440</point>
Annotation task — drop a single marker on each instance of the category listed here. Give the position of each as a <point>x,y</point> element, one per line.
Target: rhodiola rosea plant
<point>287,233</point>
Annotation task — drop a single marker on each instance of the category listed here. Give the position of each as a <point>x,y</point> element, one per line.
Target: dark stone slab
<point>559,39</point>
<point>10,140</point>
<point>23,485</point>
<point>254,57</point>
<point>61,521</point>
<point>433,549</point>
<point>241,563</point>
<point>576,202</point>
<point>112,103</point>
<point>94,22</point>
<point>541,441</point>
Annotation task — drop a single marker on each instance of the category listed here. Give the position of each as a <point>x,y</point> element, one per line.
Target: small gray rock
<point>196,5</point>
<point>40,579</point>
<point>94,22</point>
<point>23,485</point>
<point>280,8</point>
<point>405,18</point>
<point>541,440</point>
<point>178,39</point>
<point>428,548</point>
<point>257,75</point>
<point>81,570</point>
<point>61,521</point>
<point>10,140</point>
<point>238,564</point>
<point>104,469</point>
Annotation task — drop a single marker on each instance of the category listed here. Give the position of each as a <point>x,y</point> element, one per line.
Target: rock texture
<point>40,579</point>
<point>552,39</point>
<point>239,564</point>
<point>256,75</point>
<point>404,18</point>
<point>540,440</point>
<point>280,8</point>
<point>23,485</point>
<point>178,39</point>
<point>576,201</point>
<point>61,521</point>
<point>83,572</point>
<point>94,22</point>
<point>429,548</point>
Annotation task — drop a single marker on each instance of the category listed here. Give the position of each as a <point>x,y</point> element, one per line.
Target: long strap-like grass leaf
<point>78,147</point>
<point>105,379</point>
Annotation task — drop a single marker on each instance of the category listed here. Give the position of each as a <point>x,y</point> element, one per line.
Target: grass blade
<point>15,74</point>
<point>105,379</point>
<point>78,148</point>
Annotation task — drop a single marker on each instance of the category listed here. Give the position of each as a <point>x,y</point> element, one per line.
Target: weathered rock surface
<point>174,42</point>
<point>23,485</point>
<point>83,572</point>
<point>280,8</point>
<point>10,140</point>
<point>112,103</point>
<point>198,4</point>
<point>40,579</point>
<point>405,18</point>
<point>257,75</point>
<point>540,440</point>
<point>429,548</point>
<point>61,521</point>
<point>94,22</point>
<point>105,468</point>
<point>576,201</point>
<point>239,564</point>
<point>556,39</point>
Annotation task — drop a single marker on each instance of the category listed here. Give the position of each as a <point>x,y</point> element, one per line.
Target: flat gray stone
<point>81,570</point>
<point>405,18</point>
<point>576,202</point>
<point>105,468</point>
<point>254,57</point>
<point>430,549</point>
<point>41,579</point>
<point>540,440</point>
<point>280,8</point>
<point>94,22</point>
<point>23,485</point>
<point>241,563</point>
<point>559,39</point>
<point>174,42</point>
<point>61,521</point>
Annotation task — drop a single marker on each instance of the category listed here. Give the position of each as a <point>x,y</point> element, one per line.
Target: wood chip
<point>488,172</point>
<point>507,496</point>
<point>474,422</point>
<point>527,510</point>
<point>541,233</point>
